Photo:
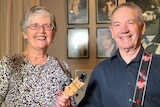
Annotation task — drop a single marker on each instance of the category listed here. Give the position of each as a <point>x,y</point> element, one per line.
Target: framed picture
<point>106,46</point>
<point>78,43</point>
<point>104,9</point>
<point>77,11</point>
<point>151,16</point>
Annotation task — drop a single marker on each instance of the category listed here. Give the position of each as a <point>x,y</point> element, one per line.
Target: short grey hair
<point>36,9</point>
<point>132,6</point>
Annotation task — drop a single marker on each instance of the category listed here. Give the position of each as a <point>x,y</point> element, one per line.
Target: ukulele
<point>75,85</point>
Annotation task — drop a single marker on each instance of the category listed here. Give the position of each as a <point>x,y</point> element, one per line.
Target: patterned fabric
<point>25,85</point>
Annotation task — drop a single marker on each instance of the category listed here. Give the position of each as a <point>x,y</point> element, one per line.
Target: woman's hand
<point>63,100</point>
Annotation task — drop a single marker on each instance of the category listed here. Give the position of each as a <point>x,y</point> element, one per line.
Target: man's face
<point>126,29</point>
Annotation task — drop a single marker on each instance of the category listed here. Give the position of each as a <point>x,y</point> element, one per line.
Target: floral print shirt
<point>25,85</point>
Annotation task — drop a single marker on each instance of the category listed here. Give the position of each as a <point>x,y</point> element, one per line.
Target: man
<point>113,81</point>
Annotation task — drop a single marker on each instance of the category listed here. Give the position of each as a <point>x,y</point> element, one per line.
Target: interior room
<point>62,45</point>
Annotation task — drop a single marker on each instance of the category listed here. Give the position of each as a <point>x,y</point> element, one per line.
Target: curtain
<point>11,12</point>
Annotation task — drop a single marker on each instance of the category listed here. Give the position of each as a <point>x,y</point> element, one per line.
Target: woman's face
<point>106,42</point>
<point>39,39</point>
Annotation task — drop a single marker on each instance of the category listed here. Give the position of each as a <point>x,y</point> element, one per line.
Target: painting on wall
<point>77,11</point>
<point>78,43</point>
<point>106,46</point>
<point>151,16</point>
<point>104,9</point>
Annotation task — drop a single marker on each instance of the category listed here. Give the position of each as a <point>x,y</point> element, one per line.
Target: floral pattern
<point>25,85</point>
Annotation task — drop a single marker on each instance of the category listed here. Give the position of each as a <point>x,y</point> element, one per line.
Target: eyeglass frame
<point>44,26</point>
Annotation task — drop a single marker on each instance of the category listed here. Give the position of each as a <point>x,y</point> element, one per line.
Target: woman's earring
<point>26,41</point>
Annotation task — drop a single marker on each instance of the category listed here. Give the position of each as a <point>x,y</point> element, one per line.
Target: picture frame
<point>77,12</point>
<point>105,44</point>
<point>104,10</point>
<point>151,17</point>
<point>78,43</point>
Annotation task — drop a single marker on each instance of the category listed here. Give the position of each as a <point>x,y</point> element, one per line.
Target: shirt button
<point>130,100</point>
<point>129,83</point>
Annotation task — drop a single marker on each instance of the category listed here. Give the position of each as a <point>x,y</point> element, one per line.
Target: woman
<point>32,78</point>
<point>106,44</point>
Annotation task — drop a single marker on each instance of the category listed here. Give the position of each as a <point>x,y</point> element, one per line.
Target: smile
<point>41,38</point>
<point>125,37</point>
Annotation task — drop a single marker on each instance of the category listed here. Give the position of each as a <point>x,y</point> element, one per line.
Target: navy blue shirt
<point>112,83</point>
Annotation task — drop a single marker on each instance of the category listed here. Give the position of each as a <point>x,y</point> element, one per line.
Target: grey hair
<point>132,6</point>
<point>36,9</point>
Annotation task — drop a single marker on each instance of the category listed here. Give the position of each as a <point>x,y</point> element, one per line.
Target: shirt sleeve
<point>66,78</point>
<point>3,82</point>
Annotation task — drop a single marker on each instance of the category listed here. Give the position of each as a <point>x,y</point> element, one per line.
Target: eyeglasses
<point>36,26</point>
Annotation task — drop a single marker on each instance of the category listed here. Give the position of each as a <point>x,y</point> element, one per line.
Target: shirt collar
<point>137,58</point>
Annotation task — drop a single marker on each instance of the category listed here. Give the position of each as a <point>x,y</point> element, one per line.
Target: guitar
<point>75,85</point>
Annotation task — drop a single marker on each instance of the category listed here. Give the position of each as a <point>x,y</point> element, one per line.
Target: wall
<point>59,47</point>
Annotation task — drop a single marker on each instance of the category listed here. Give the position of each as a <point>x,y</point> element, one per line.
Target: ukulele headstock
<point>75,85</point>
